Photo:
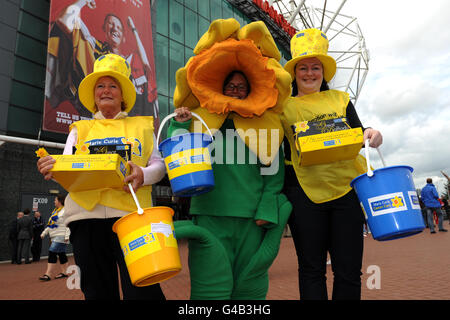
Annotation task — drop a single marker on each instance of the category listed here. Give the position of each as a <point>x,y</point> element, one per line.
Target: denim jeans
<point>430,218</point>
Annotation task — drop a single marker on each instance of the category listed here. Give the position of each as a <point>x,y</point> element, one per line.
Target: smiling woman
<point>326,213</point>
<point>109,93</point>
<point>108,97</point>
<point>308,76</point>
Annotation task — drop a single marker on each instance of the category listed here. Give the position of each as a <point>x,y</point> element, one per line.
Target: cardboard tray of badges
<point>90,171</point>
<point>326,141</point>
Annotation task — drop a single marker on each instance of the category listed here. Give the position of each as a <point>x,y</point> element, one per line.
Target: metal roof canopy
<point>347,43</point>
<point>254,13</point>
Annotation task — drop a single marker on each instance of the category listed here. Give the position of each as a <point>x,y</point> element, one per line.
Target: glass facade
<point>180,24</point>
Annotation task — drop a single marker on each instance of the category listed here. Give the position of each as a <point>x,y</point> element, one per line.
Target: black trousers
<point>53,257</point>
<point>337,227</point>
<point>36,247</point>
<point>97,253</point>
<point>13,249</point>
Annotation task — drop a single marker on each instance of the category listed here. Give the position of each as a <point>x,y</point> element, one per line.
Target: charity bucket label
<point>187,161</point>
<point>387,203</point>
<point>414,199</point>
<point>138,244</point>
<point>167,229</point>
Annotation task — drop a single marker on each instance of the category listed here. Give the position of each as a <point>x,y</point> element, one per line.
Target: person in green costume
<point>236,228</point>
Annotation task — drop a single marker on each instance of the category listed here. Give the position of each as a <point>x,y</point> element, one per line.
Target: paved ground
<point>414,268</point>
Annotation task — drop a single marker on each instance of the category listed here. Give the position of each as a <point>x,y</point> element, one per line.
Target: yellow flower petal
<point>213,121</point>
<point>82,149</point>
<point>219,30</point>
<point>258,32</point>
<point>263,135</point>
<point>41,152</point>
<point>183,96</point>
<point>282,84</point>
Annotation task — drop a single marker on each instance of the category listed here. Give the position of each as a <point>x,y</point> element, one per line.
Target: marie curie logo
<point>414,200</point>
<point>387,203</point>
<point>135,144</point>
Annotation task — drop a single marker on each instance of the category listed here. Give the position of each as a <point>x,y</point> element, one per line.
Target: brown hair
<point>61,198</point>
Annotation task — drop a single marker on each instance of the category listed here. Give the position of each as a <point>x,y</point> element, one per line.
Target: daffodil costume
<point>229,255</point>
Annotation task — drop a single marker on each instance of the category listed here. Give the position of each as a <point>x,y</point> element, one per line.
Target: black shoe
<point>443,230</point>
<point>44,278</point>
<point>433,232</point>
<point>28,262</point>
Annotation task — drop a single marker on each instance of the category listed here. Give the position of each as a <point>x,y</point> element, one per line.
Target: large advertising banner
<point>79,32</point>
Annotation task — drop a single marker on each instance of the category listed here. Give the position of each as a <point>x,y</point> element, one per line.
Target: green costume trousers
<point>238,237</point>
<point>229,257</point>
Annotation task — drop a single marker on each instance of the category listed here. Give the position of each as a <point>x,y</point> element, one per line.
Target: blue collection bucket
<point>188,161</point>
<point>389,200</point>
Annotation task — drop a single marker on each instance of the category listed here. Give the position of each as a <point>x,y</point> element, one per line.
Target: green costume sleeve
<point>273,178</point>
<point>176,127</point>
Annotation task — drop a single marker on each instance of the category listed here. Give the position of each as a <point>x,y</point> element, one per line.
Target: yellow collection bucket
<point>149,245</point>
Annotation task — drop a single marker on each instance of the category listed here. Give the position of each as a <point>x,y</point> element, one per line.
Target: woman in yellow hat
<point>109,94</point>
<point>327,216</point>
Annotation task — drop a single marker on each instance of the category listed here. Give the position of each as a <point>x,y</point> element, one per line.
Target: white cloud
<point>406,94</point>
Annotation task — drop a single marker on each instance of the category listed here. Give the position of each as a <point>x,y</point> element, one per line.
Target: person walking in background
<point>24,235</point>
<point>12,237</point>
<point>38,227</point>
<point>59,236</point>
<point>430,198</point>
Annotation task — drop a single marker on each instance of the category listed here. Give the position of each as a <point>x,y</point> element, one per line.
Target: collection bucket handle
<point>173,115</point>
<point>366,150</point>
<point>140,210</point>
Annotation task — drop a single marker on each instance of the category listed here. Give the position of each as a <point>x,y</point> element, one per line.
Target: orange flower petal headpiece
<point>226,47</point>
<point>207,72</point>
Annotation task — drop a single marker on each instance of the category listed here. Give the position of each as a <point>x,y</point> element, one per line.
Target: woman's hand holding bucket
<point>135,178</point>
<point>374,136</point>
<point>183,114</point>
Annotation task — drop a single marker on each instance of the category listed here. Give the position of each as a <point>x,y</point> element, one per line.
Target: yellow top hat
<point>310,43</point>
<point>111,65</point>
